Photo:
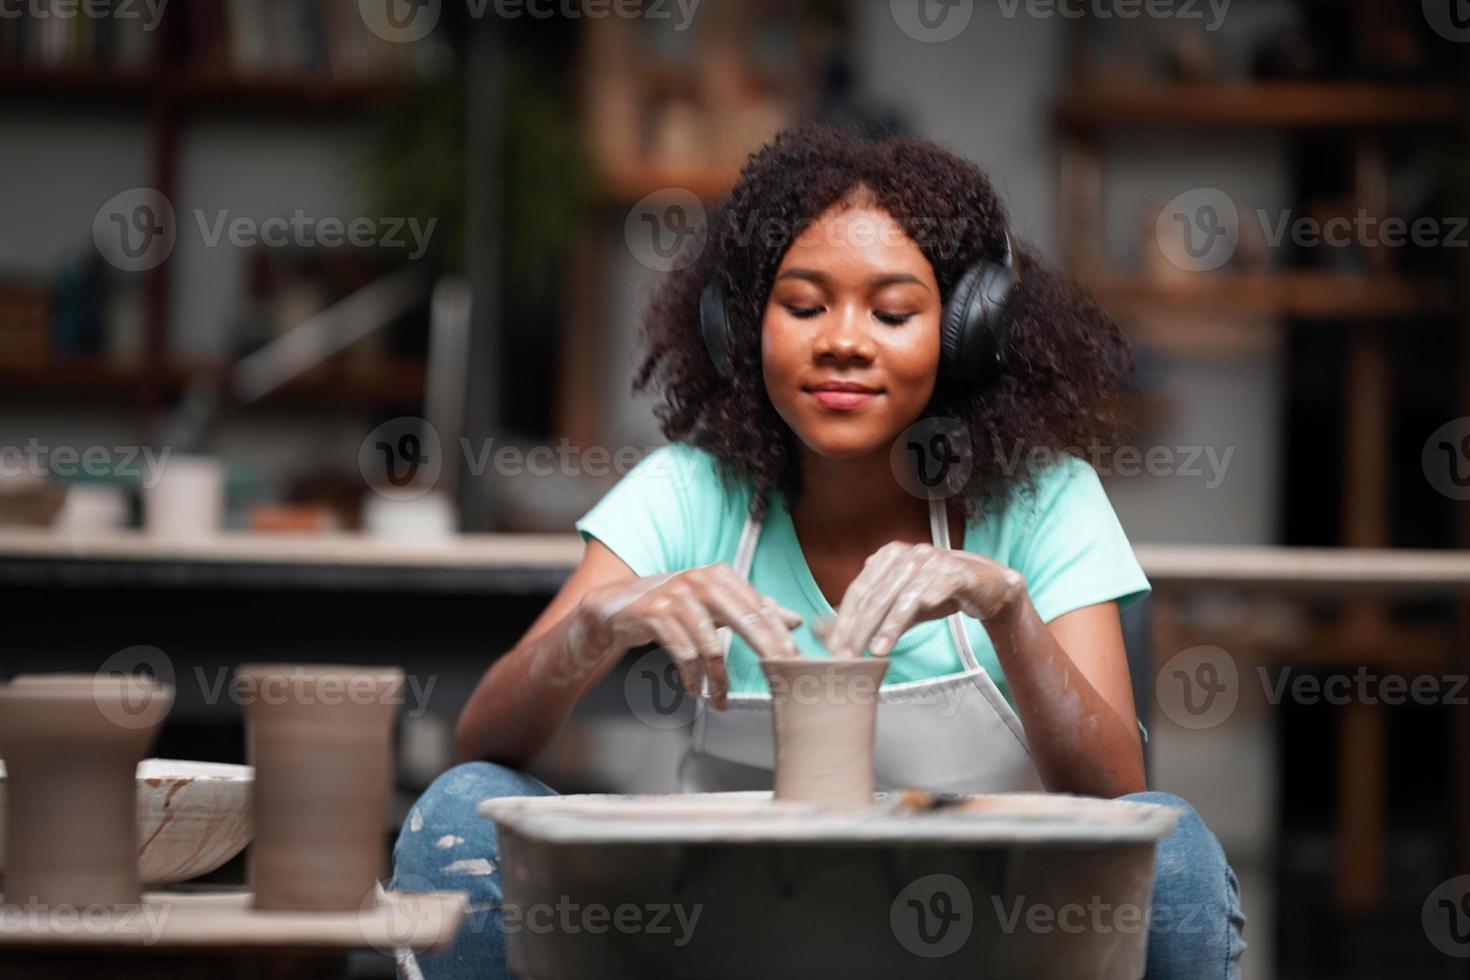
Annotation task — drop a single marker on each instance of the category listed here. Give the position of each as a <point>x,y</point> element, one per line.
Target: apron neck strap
<point>939,530</point>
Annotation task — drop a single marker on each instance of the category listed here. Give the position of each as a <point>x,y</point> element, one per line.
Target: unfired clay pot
<point>320,739</point>
<point>71,744</point>
<point>824,713</point>
<point>192,817</point>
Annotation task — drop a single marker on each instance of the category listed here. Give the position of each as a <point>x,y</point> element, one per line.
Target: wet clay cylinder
<point>71,745</point>
<point>320,739</point>
<point>824,713</point>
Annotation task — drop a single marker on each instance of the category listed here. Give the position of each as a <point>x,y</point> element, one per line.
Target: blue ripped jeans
<point>1194,932</point>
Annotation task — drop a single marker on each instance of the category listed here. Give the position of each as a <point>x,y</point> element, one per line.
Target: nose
<point>844,336</point>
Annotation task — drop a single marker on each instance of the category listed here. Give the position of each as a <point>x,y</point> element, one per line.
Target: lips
<point>842,395</point>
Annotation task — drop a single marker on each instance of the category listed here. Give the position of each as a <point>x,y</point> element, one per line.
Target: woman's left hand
<point>903,584</point>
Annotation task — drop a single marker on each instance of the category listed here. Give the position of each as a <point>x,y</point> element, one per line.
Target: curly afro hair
<point>1058,392</point>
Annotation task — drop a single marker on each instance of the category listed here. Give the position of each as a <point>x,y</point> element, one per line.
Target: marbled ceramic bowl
<point>192,817</point>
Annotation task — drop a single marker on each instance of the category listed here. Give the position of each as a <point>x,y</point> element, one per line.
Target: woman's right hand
<point>681,611</point>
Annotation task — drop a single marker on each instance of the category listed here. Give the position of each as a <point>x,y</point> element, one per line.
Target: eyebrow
<point>877,282</point>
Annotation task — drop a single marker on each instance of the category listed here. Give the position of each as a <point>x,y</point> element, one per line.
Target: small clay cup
<point>824,714</point>
<point>320,739</point>
<point>71,744</point>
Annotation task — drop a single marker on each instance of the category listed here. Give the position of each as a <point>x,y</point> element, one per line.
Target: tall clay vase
<point>320,739</point>
<point>71,745</point>
<point>824,713</point>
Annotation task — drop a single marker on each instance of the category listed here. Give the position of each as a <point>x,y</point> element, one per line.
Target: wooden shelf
<point>195,87</point>
<point>1260,105</point>
<point>392,384</point>
<point>1304,295</point>
<point>628,182</point>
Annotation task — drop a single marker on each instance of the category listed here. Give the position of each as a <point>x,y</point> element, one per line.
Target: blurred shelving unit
<point>665,110</point>
<point>210,61</point>
<point>394,384</point>
<point>1220,105</point>
<point>1369,116</point>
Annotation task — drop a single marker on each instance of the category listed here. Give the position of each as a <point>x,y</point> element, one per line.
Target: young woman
<point>869,387</point>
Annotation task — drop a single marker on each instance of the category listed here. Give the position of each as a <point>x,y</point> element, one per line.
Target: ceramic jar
<point>321,741</point>
<point>71,745</point>
<point>825,713</point>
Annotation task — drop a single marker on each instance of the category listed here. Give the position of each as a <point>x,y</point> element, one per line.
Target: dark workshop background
<point>467,205</point>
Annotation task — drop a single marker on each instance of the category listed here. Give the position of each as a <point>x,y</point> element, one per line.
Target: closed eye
<point>803,312</point>
<point>894,319</point>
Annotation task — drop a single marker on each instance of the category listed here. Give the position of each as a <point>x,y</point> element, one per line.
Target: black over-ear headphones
<point>976,330</point>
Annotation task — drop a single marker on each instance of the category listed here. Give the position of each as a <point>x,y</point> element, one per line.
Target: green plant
<point>419,168</point>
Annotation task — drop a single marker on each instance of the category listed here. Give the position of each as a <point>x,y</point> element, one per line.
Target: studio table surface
<point>540,563</point>
<point>225,921</point>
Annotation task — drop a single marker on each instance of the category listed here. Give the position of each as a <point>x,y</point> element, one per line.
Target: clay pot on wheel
<point>320,739</point>
<point>825,714</point>
<point>71,745</point>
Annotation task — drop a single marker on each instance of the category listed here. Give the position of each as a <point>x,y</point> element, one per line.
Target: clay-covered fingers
<point>870,596</point>
<point>669,633</point>
<point>763,623</point>
<point>841,629</point>
<point>926,591</point>
<point>699,625</point>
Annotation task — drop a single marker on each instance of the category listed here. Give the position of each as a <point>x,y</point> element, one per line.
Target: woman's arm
<point>519,706</point>
<point>1070,681</point>
<point>1073,694</point>
<point>603,610</point>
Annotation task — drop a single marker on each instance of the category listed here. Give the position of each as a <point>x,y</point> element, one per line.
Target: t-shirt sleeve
<point>647,519</point>
<point>1072,548</point>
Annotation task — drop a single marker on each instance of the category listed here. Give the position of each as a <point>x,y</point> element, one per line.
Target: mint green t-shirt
<point>672,512</point>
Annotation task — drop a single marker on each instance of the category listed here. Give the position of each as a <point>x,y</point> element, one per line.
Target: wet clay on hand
<point>824,714</point>
<point>320,739</point>
<point>71,745</point>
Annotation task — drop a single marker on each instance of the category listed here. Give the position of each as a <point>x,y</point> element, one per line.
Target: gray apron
<point>950,734</point>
